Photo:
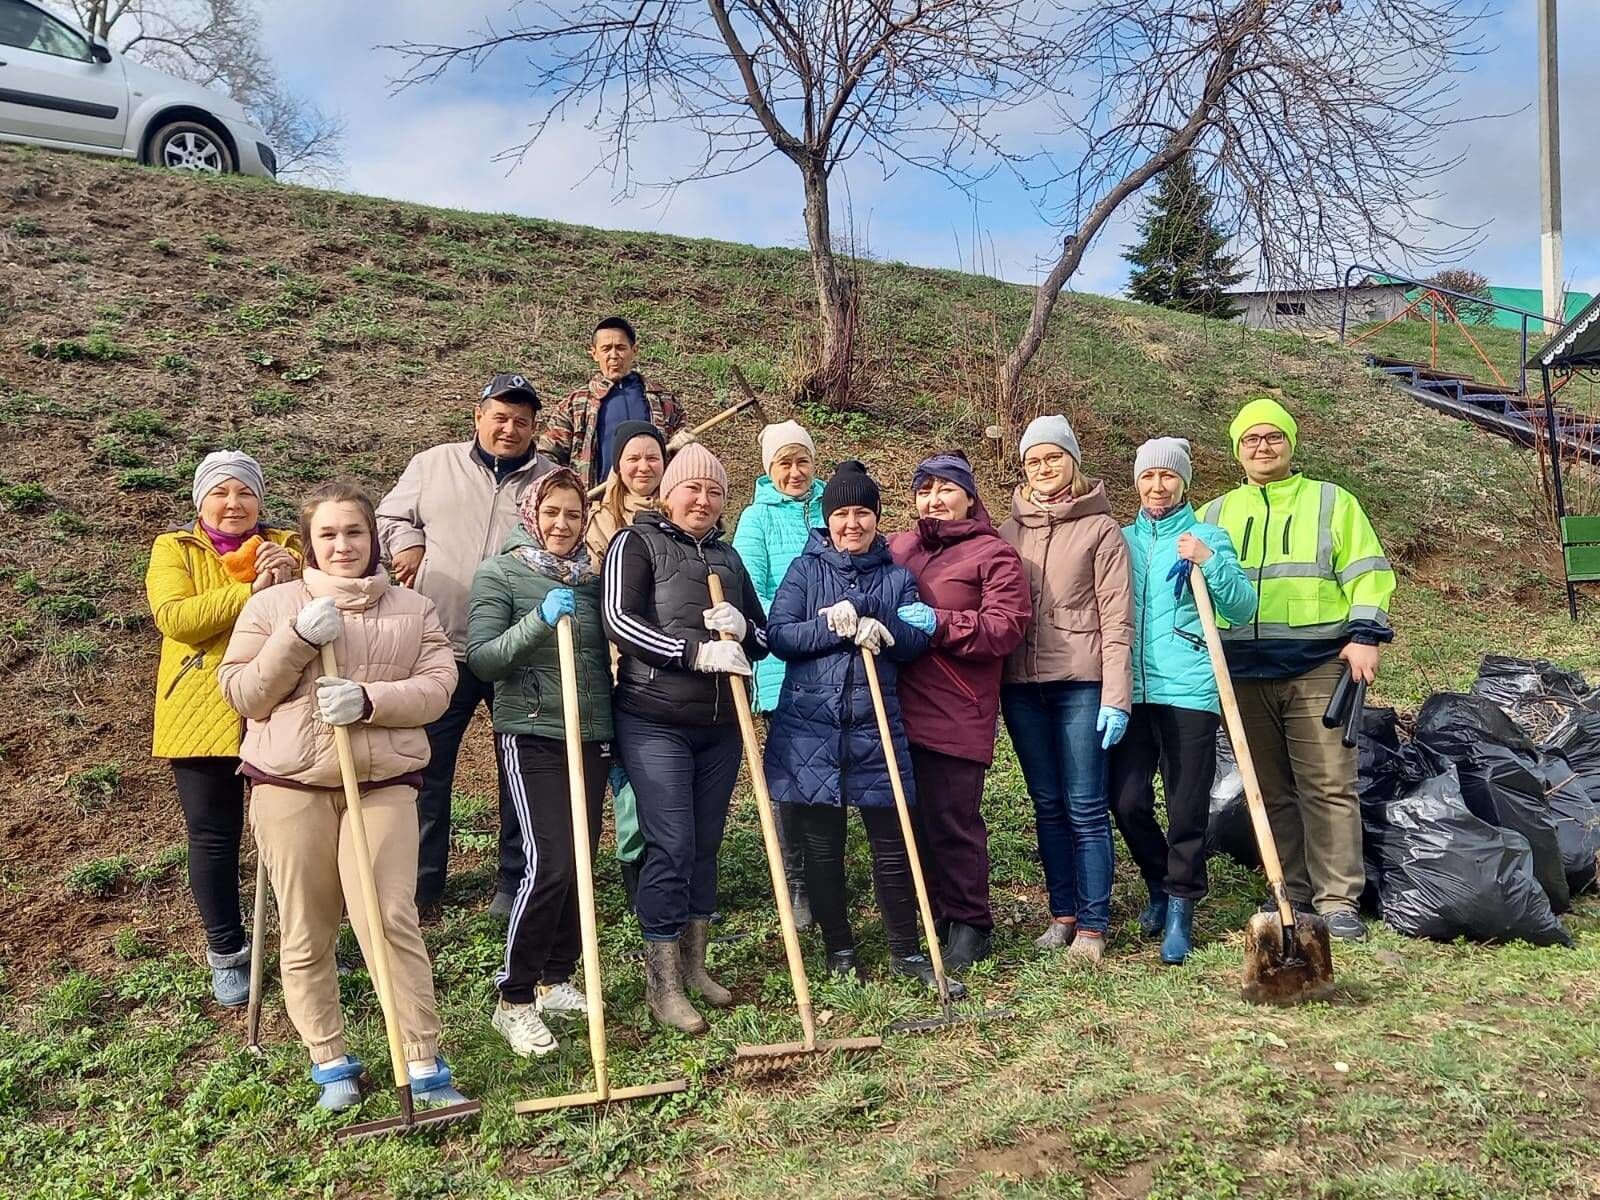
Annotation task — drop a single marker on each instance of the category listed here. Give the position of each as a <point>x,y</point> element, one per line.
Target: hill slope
<point>146,318</point>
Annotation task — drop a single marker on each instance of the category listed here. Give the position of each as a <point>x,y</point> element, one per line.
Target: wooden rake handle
<point>1265,842</point>
<point>769,838</point>
<point>382,979</point>
<point>582,853</point>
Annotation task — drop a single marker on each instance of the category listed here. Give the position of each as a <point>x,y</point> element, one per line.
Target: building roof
<point>1576,345</point>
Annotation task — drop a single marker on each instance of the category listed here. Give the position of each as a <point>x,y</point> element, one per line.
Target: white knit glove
<point>725,618</point>
<point>340,701</point>
<point>842,618</point>
<point>727,658</point>
<point>873,635</point>
<point>319,622</point>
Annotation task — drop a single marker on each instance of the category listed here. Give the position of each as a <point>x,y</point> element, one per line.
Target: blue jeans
<point>1052,729</point>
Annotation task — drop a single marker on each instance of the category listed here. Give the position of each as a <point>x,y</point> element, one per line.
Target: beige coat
<point>1080,580</point>
<point>392,644</point>
<point>603,525</point>
<point>447,501</point>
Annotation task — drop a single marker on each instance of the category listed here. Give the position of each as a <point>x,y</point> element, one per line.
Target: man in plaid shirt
<point>580,427</point>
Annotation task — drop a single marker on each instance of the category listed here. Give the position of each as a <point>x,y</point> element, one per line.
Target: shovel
<point>409,1119</point>
<point>1288,958</point>
<point>603,1092</point>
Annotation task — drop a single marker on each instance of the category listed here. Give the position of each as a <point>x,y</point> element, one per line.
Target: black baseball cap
<point>510,387</point>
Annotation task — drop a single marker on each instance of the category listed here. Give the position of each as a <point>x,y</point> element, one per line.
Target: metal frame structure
<point>1568,352</point>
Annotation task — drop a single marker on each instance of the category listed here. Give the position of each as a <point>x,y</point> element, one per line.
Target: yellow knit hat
<point>1263,411</point>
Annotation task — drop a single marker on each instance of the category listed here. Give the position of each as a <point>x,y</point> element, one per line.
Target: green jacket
<point>509,645</point>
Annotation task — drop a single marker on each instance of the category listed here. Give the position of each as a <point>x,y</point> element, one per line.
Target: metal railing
<point>1479,301</point>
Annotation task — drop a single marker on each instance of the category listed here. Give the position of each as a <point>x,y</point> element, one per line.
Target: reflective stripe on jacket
<point>1317,566</point>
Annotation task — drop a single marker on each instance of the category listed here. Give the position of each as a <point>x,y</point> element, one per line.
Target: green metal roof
<point>1531,300</point>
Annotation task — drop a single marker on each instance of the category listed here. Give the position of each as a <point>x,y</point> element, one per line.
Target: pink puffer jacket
<point>392,645</point>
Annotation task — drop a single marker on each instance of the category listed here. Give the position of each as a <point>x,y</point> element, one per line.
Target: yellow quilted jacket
<point>195,605</point>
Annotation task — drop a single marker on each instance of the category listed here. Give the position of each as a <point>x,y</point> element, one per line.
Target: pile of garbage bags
<point>1484,823</point>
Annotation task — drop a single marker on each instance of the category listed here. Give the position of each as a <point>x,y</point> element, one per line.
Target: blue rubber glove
<point>1112,723</point>
<point>918,616</point>
<point>558,602</point>
<point>1179,577</point>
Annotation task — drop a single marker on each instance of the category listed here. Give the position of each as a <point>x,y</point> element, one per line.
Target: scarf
<point>225,543</point>
<point>573,568</point>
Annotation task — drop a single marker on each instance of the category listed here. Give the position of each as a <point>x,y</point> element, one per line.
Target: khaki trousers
<point>1308,780</point>
<point>307,842</point>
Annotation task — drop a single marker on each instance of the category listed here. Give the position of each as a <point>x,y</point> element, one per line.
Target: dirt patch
<point>1038,1156</point>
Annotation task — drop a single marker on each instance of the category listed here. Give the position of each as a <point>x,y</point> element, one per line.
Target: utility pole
<point>1550,165</point>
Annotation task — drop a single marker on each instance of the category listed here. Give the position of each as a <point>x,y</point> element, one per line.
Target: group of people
<point>1082,633</point>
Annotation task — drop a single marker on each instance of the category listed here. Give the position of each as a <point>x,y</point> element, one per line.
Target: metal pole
<point>1552,435</point>
<point>1550,164</point>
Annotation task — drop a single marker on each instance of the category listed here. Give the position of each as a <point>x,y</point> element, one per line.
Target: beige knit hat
<point>784,433</point>
<point>693,462</point>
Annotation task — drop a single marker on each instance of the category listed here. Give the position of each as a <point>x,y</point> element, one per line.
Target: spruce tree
<point>1179,261</point>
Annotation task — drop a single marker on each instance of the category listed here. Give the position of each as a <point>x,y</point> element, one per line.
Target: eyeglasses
<point>1251,441</point>
<point>1051,461</point>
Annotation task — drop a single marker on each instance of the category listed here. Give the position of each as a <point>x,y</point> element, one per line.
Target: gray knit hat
<point>1169,453</point>
<point>228,464</point>
<point>1051,431</point>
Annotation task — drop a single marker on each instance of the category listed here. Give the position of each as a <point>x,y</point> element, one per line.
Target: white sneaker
<point>523,1029</point>
<point>563,1000</point>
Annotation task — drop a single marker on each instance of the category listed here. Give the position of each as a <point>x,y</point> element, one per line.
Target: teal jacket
<point>509,645</point>
<point>1170,663</point>
<point>770,536</point>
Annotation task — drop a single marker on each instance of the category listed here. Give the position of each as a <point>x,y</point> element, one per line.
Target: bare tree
<point>217,44</point>
<point>818,83</point>
<point>1317,124</point>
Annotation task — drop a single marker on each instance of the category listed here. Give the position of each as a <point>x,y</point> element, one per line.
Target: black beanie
<point>850,486</point>
<point>629,430</point>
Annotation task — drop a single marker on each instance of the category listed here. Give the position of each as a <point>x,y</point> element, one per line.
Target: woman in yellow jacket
<point>199,579</point>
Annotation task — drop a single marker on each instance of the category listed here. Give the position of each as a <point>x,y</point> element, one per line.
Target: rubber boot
<point>230,977</point>
<point>794,866</point>
<point>693,948</point>
<point>920,966</point>
<point>844,964</point>
<point>1179,939</point>
<point>966,944</point>
<point>663,989</point>
<point>1153,920</point>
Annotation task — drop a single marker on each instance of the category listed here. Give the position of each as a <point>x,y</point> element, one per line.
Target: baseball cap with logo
<point>510,387</point>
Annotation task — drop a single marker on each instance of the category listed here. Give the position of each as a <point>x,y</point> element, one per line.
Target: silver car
<point>62,88</point>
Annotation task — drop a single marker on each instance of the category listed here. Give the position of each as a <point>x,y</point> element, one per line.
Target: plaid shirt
<point>569,433</point>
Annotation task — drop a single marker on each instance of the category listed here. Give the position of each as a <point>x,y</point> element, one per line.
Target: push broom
<point>603,1092</point>
<point>409,1119</point>
<point>1287,956</point>
<point>925,909</point>
<point>779,1054</point>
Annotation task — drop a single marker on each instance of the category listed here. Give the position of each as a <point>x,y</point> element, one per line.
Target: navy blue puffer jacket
<point>823,747</point>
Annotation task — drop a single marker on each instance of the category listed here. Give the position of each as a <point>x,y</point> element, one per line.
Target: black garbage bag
<point>1534,692</point>
<point>1499,771</point>
<point>1228,828</point>
<point>1576,742</point>
<point>1443,873</point>
<point>1577,819</point>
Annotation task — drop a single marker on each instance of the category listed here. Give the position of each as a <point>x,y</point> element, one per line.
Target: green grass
<point>1450,347</point>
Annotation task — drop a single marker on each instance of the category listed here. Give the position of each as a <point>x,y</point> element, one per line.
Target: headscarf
<point>575,567</point>
<point>951,465</point>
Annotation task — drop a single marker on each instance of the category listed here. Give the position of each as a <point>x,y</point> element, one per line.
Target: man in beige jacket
<point>451,509</point>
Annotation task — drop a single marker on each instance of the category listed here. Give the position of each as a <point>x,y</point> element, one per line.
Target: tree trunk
<point>830,378</point>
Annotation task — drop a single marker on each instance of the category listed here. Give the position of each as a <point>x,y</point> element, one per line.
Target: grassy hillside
<point>147,318</point>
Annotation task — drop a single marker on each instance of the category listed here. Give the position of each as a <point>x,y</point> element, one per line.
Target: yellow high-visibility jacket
<point>1318,568</point>
<point>195,603</point>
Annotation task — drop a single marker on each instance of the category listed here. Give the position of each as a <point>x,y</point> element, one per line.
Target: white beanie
<point>1051,430</point>
<point>1169,453</point>
<point>228,464</point>
<point>784,433</point>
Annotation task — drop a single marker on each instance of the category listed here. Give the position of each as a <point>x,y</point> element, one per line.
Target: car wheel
<point>191,146</point>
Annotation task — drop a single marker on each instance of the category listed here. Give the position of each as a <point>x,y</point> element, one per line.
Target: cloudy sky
<point>438,144</point>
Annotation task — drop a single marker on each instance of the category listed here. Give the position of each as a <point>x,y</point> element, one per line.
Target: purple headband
<point>952,465</point>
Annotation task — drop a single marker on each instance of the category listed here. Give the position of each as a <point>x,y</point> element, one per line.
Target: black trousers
<point>211,791</point>
<point>682,778</point>
<point>823,829</point>
<point>439,780</point>
<point>543,936</point>
<point>951,836</point>
<point>1181,742</point>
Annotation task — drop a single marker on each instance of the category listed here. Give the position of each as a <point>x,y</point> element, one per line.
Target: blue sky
<point>437,145</point>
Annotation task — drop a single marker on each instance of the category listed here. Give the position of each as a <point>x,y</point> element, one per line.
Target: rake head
<point>1289,966</point>
<point>409,1120</point>
<point>951,1016</point>
<point>780,1056</point>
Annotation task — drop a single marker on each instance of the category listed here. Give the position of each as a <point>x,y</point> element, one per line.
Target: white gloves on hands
<point>842,618</point>
<point>319,622</point>
<point>340,701</point>
<point>727,658</point>
<point>872,635</point>
<point>725,618</point>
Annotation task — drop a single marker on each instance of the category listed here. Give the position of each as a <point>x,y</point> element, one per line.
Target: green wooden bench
<point>1580,555</point>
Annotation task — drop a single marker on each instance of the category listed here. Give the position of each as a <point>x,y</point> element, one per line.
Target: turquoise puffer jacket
<point>1170,663</point>
<point>771,534</point>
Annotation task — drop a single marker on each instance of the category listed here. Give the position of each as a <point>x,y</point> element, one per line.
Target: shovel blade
<point>1294,974</point>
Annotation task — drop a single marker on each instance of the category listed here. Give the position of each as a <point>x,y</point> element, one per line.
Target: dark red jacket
<point>976,585</point>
